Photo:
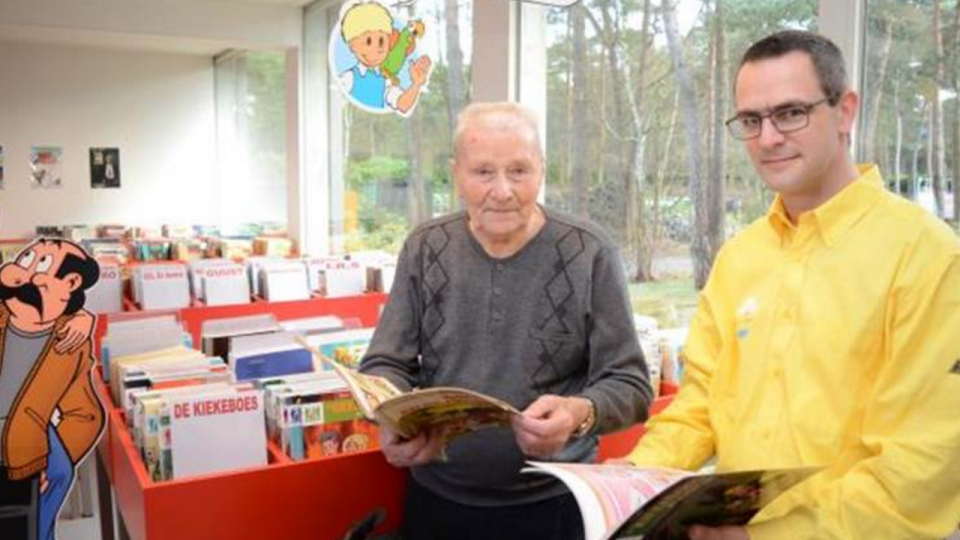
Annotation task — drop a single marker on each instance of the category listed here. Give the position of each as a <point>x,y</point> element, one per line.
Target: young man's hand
<point>419,450</point>
<point>699,532</point>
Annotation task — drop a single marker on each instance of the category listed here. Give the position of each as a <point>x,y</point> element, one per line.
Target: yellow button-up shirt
<point>834,341</point>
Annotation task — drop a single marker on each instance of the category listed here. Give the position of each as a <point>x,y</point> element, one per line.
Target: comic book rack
<point>314,499</point>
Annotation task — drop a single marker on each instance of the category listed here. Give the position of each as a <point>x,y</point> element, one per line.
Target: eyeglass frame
<point>807,107</point>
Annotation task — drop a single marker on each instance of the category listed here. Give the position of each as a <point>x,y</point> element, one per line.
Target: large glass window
<point>388,173</point>
<point>910,118</point>
<point>251,102</point>
<point>636,97</point>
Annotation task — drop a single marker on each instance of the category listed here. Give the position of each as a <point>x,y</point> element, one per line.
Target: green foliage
<point>375,169</point>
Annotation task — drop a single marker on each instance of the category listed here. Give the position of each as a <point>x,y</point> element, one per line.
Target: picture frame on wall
<point>104,168</point>
<point>45,167</point>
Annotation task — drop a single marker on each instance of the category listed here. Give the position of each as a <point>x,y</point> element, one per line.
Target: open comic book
<point>452,411</point>
<point>626,502</point>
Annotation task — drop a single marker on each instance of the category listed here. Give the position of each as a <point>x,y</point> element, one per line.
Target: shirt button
<point>497,291</point>
<point>499,267</point>
<point>497,316</point>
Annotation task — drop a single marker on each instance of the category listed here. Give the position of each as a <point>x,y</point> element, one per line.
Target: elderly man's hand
<point>699,532</point>
<point>419,450</point>
<point>546,425</point>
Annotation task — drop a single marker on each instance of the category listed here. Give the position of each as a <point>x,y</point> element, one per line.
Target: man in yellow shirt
<point>829,331</point>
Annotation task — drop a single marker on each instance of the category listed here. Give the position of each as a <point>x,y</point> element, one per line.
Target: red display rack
<point>317,499</point>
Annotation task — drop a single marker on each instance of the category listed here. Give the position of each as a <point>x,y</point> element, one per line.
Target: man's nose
<point>769,134</point>
<point>500,188</point>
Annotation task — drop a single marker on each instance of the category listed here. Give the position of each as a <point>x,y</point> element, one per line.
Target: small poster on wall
<point>1,166</point>
<point>104,168</point>
<point>45,167</point>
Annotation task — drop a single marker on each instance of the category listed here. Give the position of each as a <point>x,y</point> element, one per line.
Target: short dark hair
<point>86,267</point>
<point>825,55</point>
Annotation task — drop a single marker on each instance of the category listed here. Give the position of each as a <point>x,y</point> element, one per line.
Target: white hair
<point>500,115</point>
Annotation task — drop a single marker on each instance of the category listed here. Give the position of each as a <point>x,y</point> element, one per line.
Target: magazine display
<point>627,502</point>
<point>452,411</point>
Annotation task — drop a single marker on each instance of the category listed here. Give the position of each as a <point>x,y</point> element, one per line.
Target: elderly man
<point>827,333</point>
<point>520,302</point>
<point>40,291</point>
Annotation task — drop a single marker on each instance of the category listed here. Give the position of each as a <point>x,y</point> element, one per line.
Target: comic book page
<point>609,494</point>
<point>455,411</point>
<point>626,502</point>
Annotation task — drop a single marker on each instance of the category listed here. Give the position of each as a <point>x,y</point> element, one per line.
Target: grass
<point>671,301</point>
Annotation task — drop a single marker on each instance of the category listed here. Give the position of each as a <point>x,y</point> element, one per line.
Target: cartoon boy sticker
<point>375,59</point>
<point>50,415</point>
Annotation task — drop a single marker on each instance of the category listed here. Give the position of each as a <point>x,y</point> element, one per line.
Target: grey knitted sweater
<point>554,318</point>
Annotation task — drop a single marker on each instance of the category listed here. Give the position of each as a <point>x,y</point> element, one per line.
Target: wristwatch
<point>586,426</point>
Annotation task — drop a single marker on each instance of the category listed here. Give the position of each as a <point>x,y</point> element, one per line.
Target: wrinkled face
<point>371,47</point>
<point>499,173</point>
<point>29,286</point>
<point>797,163</point>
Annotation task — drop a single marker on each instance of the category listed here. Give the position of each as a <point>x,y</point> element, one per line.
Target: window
<point>386,174</point>
<point>251,137</point>
<point>626,130</point>
<point>910,118</point>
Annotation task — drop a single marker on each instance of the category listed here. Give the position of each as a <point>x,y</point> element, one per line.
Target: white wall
<point>158,108</point>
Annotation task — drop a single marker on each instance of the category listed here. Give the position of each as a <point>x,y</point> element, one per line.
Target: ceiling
<point>62,35</point>
<point>294,3</point>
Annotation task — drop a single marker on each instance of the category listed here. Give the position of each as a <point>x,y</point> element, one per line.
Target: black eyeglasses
<point>785,119</point>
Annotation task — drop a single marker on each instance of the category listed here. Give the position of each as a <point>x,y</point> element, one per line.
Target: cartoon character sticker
<point>50,415</point>
<point>374,56</point>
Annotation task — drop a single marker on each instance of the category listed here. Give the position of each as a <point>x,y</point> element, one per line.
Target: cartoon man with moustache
<point>44,375</point>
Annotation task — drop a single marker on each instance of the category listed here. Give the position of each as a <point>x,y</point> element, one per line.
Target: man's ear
<point>74,281</point>
<point>847,106</point>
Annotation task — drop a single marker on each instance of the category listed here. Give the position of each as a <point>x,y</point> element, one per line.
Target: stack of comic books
<point>313,415</point>
<point>172,367</point>
<point>346,347</point>
<point>216,335</point>
<point>140,332</point>
<point>268,355</point>
<point>200,429</point>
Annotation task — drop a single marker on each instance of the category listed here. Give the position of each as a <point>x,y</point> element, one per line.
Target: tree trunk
<point>659,182</point>
<point>699,245</point>
<point>868,143</point>
<point>917,147</point>
<point>936,117</point>
<point>456,86</point>
<point>416,190</point>
<point>580,110</point>
<point>898,148</point>
<point>955,148</point>
<point>641,239</point>
<point>715,185</point>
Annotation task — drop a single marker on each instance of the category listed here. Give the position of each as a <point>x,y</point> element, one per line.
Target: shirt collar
<point>834,217</point>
